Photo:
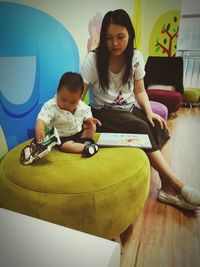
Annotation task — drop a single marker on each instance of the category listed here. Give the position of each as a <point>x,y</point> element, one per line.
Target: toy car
<point>35,151</point>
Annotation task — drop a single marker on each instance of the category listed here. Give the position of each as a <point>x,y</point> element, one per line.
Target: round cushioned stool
<point>158,108</point>
<point>101,195</point>
<point>191,95</point>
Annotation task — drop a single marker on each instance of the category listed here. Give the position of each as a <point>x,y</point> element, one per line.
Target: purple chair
<point>158,108</point>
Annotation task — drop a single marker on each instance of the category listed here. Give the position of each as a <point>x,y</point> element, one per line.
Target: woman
<point>114,72</point>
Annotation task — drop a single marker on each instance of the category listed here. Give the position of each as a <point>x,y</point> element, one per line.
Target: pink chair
<point>171,99</point>
<point>165,71</point>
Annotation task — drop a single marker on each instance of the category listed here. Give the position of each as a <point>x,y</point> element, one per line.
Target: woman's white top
<point>66,123</point>
<point>118,95</point>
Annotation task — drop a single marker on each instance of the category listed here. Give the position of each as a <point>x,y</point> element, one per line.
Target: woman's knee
<point>138,126</point>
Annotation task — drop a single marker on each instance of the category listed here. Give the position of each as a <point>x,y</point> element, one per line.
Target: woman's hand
<point>143,101</point>
<point>155,117</point>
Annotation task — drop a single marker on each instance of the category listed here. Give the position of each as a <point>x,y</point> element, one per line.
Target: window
<point>189,42</point>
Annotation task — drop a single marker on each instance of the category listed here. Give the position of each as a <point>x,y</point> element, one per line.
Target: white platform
<point>30,242</point>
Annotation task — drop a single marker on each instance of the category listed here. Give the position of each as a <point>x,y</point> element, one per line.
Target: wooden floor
<point>164,236</point>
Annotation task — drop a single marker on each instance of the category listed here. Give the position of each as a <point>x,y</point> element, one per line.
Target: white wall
<point>76,14</point>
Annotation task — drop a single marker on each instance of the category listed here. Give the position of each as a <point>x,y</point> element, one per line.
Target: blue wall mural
<point>35,50</point>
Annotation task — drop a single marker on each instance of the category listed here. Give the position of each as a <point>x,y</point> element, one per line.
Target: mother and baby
<point>113,73</point>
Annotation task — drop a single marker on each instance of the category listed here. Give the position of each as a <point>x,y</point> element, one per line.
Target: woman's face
<point>117,38</point>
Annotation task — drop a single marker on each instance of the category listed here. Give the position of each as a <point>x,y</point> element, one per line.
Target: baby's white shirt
<point>66,123</point>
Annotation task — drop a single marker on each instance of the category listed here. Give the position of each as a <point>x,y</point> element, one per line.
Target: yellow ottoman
<point>101,195</point>
<point>191,95</point>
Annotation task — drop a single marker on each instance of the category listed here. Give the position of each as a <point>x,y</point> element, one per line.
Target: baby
<point>70,116</point>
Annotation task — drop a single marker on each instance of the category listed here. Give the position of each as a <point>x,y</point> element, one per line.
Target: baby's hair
<point>72,81</point>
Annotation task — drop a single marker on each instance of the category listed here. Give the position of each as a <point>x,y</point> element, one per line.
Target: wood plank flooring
<point>164,236</point>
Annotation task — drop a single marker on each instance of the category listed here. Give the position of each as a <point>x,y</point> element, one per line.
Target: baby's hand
<point>40,135</point>
<point>93,121</point>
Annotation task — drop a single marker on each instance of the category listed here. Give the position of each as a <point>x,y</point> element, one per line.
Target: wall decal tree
<point>164,36</point>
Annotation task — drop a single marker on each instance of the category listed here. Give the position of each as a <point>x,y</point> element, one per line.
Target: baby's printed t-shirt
<point>66,123</point>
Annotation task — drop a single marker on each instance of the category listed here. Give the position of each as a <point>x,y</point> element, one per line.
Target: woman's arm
<point>86,86</point>
<point>143,100</point>
<point>142,97</point>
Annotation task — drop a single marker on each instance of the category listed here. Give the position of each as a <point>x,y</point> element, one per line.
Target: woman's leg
<point>170,183</point>
<point>187,198</point>
<point>136,122</point>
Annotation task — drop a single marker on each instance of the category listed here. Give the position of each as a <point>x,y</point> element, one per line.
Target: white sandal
<point>191,195</point>
<point>177,201</point>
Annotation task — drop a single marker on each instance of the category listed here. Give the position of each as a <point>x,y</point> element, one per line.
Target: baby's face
<point>68,100</point>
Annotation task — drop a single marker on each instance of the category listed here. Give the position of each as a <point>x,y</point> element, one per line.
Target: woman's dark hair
<point>73,81</point>
<point>119,17</point>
